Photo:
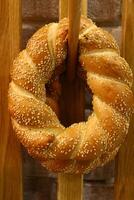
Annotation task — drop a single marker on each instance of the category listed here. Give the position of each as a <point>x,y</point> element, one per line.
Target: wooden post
<point>70,187</point>
<point>10,159</point>
<point>124,180</point>
<point>73,35</point>
<point>84,7</point>
<point>63,8</point>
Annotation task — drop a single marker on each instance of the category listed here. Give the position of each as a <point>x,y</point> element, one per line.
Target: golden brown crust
<point>108,64</point>
<point>24,74</point>
<point>82,146</point>
<point>95,39</point>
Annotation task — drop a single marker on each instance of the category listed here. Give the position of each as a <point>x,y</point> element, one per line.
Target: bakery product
<point>82,146</point>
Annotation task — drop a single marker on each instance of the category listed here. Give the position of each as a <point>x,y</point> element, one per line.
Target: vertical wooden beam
<point>84,7</point>
<point>10,160</point>
<point>63,8</point>
<point>124,180</point>
<point>70,187</point>
<point>73,36</point>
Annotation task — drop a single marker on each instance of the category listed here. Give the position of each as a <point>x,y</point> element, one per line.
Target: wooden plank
<point>84,7</point>
<point>63,8</point>
<point>10,159</point>
<point>72,108</point>
<point>73,35</point>
<point>70,187</point>
<point>124,180</point>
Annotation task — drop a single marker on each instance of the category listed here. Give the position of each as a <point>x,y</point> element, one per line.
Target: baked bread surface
<point>82,146</point>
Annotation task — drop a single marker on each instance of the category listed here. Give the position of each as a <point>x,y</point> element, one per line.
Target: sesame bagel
<point>34,113</point>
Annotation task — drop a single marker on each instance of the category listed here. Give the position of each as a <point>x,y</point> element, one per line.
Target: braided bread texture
<point>82,146</point>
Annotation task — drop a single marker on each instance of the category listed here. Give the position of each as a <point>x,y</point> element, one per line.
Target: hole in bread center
<point>72,102</point>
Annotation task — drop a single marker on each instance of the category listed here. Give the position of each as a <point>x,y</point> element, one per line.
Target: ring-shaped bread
<point>82,146</point>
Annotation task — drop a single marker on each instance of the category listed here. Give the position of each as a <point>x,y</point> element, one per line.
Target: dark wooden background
<point>38,184</point>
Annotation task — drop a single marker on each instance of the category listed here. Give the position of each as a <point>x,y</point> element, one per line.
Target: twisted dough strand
<point>82,146</point>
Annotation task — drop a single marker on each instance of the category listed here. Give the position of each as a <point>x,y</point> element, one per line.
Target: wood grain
<point>63,8</point>
<point>84,7</point>
<point>72,101</point>
<point>70,187</point>
<point>124,180</point>
<point>10,160</point>
<point>72,108</point>
<point>73,35</point>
